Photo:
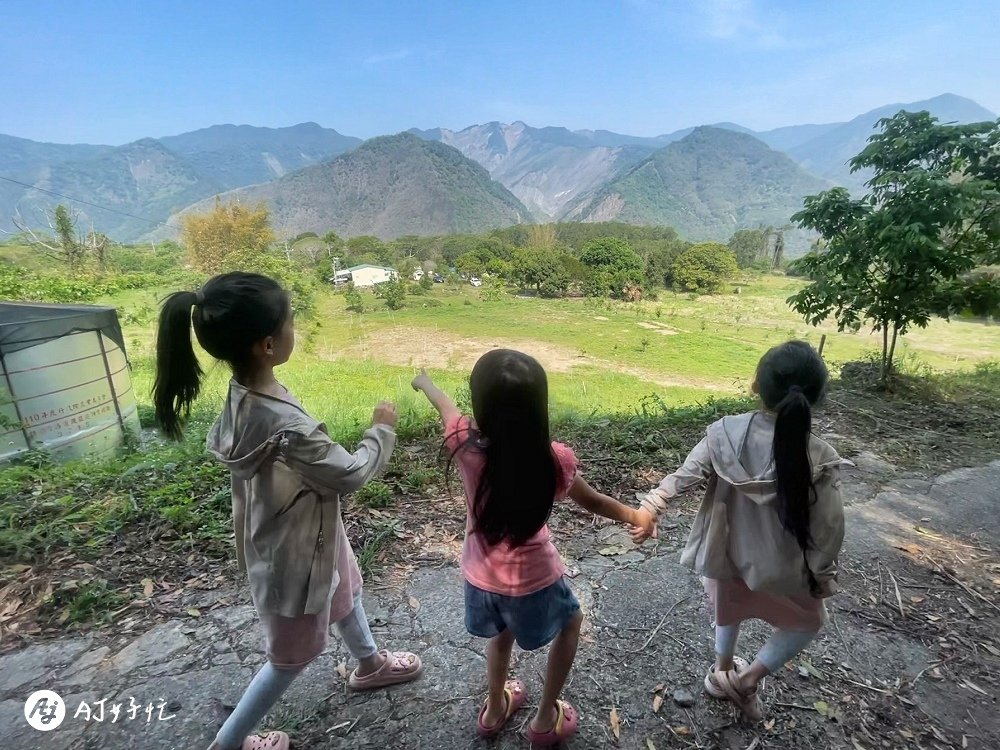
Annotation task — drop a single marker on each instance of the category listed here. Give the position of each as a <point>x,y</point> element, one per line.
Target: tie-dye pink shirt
<point>500,568</point>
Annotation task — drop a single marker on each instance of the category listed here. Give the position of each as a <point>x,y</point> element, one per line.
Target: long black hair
<point>510,402</point>
<point>791,379</point>
<point>230,313</point>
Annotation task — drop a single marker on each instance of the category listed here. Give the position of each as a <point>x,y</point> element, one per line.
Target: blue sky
<point>111,72</point>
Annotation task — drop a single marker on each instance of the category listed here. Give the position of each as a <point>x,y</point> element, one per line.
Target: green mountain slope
<point>387,187</point>
<point>706,186</point>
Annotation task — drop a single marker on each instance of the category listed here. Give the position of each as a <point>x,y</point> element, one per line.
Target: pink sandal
<point>399,667</point>
<point>269,741</point>
<point>564,728</point>
<point>748,702</point>
<point>514,696</point>
<point>712,686</point>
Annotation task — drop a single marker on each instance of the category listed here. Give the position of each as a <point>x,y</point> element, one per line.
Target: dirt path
<point>909,660</point>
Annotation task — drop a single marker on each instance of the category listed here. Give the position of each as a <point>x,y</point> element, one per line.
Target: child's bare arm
<point>590,499</point>
<point>438,398</point>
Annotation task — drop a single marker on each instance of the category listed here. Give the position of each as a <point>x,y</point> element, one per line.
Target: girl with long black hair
<point>514,588</point>
<point>769,531</point>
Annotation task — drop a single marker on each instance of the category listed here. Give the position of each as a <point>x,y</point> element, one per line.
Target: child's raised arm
<point>587,497</point>
<point>438,398</point>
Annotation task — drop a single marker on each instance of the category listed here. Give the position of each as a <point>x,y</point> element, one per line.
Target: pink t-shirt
<point>500,568</point>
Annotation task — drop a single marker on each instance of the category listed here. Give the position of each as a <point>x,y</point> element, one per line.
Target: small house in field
<point>367,275</point>
<point>65,386</point>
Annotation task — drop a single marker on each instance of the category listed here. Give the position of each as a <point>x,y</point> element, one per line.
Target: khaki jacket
<point>737,533</point>
<point>287,479</point>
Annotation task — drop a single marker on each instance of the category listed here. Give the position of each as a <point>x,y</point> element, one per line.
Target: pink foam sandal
<point>399,667</point>
<point>269,741</point>
<point>564,728</point>
<point>712,686</point>
<point>514,697</point>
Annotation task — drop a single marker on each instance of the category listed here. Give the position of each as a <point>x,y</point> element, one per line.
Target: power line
<point>88,203</point>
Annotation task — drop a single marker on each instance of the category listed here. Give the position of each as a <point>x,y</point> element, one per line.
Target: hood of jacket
<point>250,427</point>
<point>737,445</point>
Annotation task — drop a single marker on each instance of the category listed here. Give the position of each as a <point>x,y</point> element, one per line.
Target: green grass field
<point>602,357</point>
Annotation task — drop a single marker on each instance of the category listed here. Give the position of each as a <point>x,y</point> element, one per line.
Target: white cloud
<point>735,21</point>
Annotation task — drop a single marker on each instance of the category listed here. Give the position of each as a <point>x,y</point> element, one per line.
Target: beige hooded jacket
<point>737,533</point>
<point>287,479</point>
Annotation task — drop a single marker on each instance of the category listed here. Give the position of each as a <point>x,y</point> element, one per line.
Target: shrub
<point>355,302</point>
<point>704,267</point>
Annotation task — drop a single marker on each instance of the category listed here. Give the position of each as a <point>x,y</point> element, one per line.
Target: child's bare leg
<point>561,656</point>
<point>497,666</point>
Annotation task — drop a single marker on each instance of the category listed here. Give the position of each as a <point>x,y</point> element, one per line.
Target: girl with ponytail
<point>769,531</point>
<point>288,478</point>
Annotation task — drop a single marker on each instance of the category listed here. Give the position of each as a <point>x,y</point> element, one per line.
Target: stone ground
<point>910,658</point>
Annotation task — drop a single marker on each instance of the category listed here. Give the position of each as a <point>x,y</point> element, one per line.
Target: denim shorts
<point>534,619</point>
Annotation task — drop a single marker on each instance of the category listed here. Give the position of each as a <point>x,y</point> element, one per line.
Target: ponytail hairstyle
<point>791,379</point>
<point>230,314</point>
<point>510,402</point>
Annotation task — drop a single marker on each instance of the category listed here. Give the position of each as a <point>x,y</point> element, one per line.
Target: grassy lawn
<point>602,357</point>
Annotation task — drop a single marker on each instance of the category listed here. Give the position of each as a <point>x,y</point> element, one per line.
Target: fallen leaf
<point>991,649</point>
<point>916,599</point>
<point>194,611</point>
<point>342,669</point>
<point>414,604</point>
<point>973,686</point>
<point>682,730</point>
<point>659,687</point>
<point>857,745</point>
<point>147,587</point>
<point>822,707</point>
<point>649,744</point>
<point>657,703</point>
<point>616,724</point>
<point>809,669</point>
<point>769,724</point>
<point>612,551</point>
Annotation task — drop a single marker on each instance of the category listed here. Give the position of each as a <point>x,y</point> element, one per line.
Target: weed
<point>376,538</point>
<point>375,495</point>
<point>92,601</point>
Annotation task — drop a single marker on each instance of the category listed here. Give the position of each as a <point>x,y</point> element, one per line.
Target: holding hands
<point>643,526</point>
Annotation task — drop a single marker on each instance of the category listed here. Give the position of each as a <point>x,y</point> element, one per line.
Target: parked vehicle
<point>438,278</point>
<point>475,281</point>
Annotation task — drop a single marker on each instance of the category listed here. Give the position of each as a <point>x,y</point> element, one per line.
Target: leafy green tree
<point>905,251</point>
<point>704,267</point>
<point>471,263</point>
<point>614,265</point>
<point>426,282</point>
<point>393,292</point>
<point>541,269</point>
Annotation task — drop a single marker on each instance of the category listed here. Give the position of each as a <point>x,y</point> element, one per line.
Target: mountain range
<point>705,181</point>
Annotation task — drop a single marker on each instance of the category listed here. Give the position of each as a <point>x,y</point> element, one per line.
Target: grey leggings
<point>270,682</point>
<point>780,648</point>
